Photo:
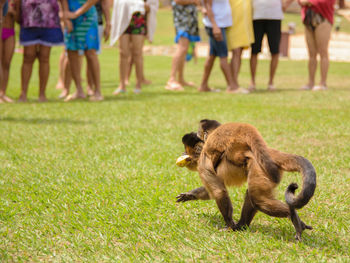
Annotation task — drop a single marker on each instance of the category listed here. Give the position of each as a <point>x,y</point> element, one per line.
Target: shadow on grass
<point>310,238</point>
<point>43,121</point>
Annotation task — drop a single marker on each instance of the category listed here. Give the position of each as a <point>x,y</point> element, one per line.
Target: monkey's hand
<point>184,197</point>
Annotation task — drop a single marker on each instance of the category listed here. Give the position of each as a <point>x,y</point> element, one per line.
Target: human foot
<point>187,84</point>
<point>174,86</point>
<point>75,96</point>
<point>307,87</point>
<point>119,91</point>
<point>89,91</point>
<point>22,98</point>
<point>63,94</point>
<point>96,97</point>
<point>146,82</point>
<point>6,99</point>
<point>319,88</point>
<point>42,98</point>
<point>60,85</point>
<point>239,90</point>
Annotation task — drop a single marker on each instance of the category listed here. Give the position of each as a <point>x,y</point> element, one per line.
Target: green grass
<point>94,182</point>
<point>97,182</point>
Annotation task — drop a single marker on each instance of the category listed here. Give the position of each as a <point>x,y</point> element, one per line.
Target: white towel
<point>122,14</point>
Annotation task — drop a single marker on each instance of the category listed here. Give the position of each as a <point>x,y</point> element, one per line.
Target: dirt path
<point>339,48</point>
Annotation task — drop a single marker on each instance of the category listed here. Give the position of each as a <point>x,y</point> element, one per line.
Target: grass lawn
<point>97,182</point>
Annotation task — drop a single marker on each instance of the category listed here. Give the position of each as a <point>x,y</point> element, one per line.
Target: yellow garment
<point>240,34</point>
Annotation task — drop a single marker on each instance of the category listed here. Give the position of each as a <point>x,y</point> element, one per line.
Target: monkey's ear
<point>191,139</point>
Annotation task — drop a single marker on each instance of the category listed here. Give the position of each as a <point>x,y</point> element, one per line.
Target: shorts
<point>138,25</point>
<point>7,33</point>
<point>217,48</point>
<point>44,36</point>
<point>272,28</point>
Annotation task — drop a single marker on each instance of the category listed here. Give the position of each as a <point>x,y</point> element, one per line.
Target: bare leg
<point>90,88</point>
<point>253,65</point>
<point>60,82</point>
<point>178,58</point>
<point>94,66</point>
<point>44,70</point>
<point>225,68</point>
<point>236,65</point>
<point>209,63</point>
<point>75,66</point>
<point>322,37</point>
<point>312,49</point>
<point>29,55</point>
<point>124,53</point>
<point>7,54</point>
<point>137,46</point>
<point>67,78</point>
<point>181,77</point>
<point>273,68</point>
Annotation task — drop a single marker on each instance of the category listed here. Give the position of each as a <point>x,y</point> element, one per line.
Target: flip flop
<point>173,86</point>
<point>74,96</point>
<point>240,90</point>
<point>119,91</point>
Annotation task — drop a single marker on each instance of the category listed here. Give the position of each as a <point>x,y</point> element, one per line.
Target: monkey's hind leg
<point>196,194</point>
<point>247,214</point>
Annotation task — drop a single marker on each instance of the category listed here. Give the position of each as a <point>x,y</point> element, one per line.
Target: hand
<point>107,31</point>
<point>197,2</point>
<point>147,8</point>
<point>217,33</point>
<point>184,197</point>
<point>70,15</point>
<point>68,25</point>
<point>305,3</point>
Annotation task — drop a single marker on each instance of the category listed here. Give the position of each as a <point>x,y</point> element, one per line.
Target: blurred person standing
<point>240,35</point>
<point>40,30</point>
<point>104,28</point>
<point>267,17</point>
<point>3,12</point>
<point>8,48</point>
<point>185,17</point>
<point>82,36</point>
<point>318,18</point>
<point>132,21</point>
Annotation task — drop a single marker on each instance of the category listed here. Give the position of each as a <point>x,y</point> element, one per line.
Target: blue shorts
<point>44,36</point>
<point>217,48</point>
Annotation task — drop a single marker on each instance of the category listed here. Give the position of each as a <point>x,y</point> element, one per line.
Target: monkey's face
<point>193,147</point>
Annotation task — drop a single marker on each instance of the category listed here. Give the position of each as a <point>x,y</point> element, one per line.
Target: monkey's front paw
<point>184,197</point>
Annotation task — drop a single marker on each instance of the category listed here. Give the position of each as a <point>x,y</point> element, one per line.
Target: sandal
<point>174,86</point>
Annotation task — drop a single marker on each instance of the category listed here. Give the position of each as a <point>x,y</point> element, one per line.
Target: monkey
<point>233,153</point>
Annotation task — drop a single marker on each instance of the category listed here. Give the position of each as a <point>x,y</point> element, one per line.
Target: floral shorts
<point>137,25</point>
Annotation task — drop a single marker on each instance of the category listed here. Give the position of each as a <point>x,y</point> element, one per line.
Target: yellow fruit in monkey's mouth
<point>182,160</point>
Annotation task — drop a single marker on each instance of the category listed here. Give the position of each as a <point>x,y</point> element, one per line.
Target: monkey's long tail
<point>309,184</point>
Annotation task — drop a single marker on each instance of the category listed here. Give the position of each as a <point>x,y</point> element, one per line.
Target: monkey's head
<point>193,148</point>
<point>206,127</point>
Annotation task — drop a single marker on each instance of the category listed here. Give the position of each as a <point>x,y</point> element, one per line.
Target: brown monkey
<point>232,153</point>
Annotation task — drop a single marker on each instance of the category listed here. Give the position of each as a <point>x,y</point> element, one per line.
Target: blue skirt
<point>44,36</point>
